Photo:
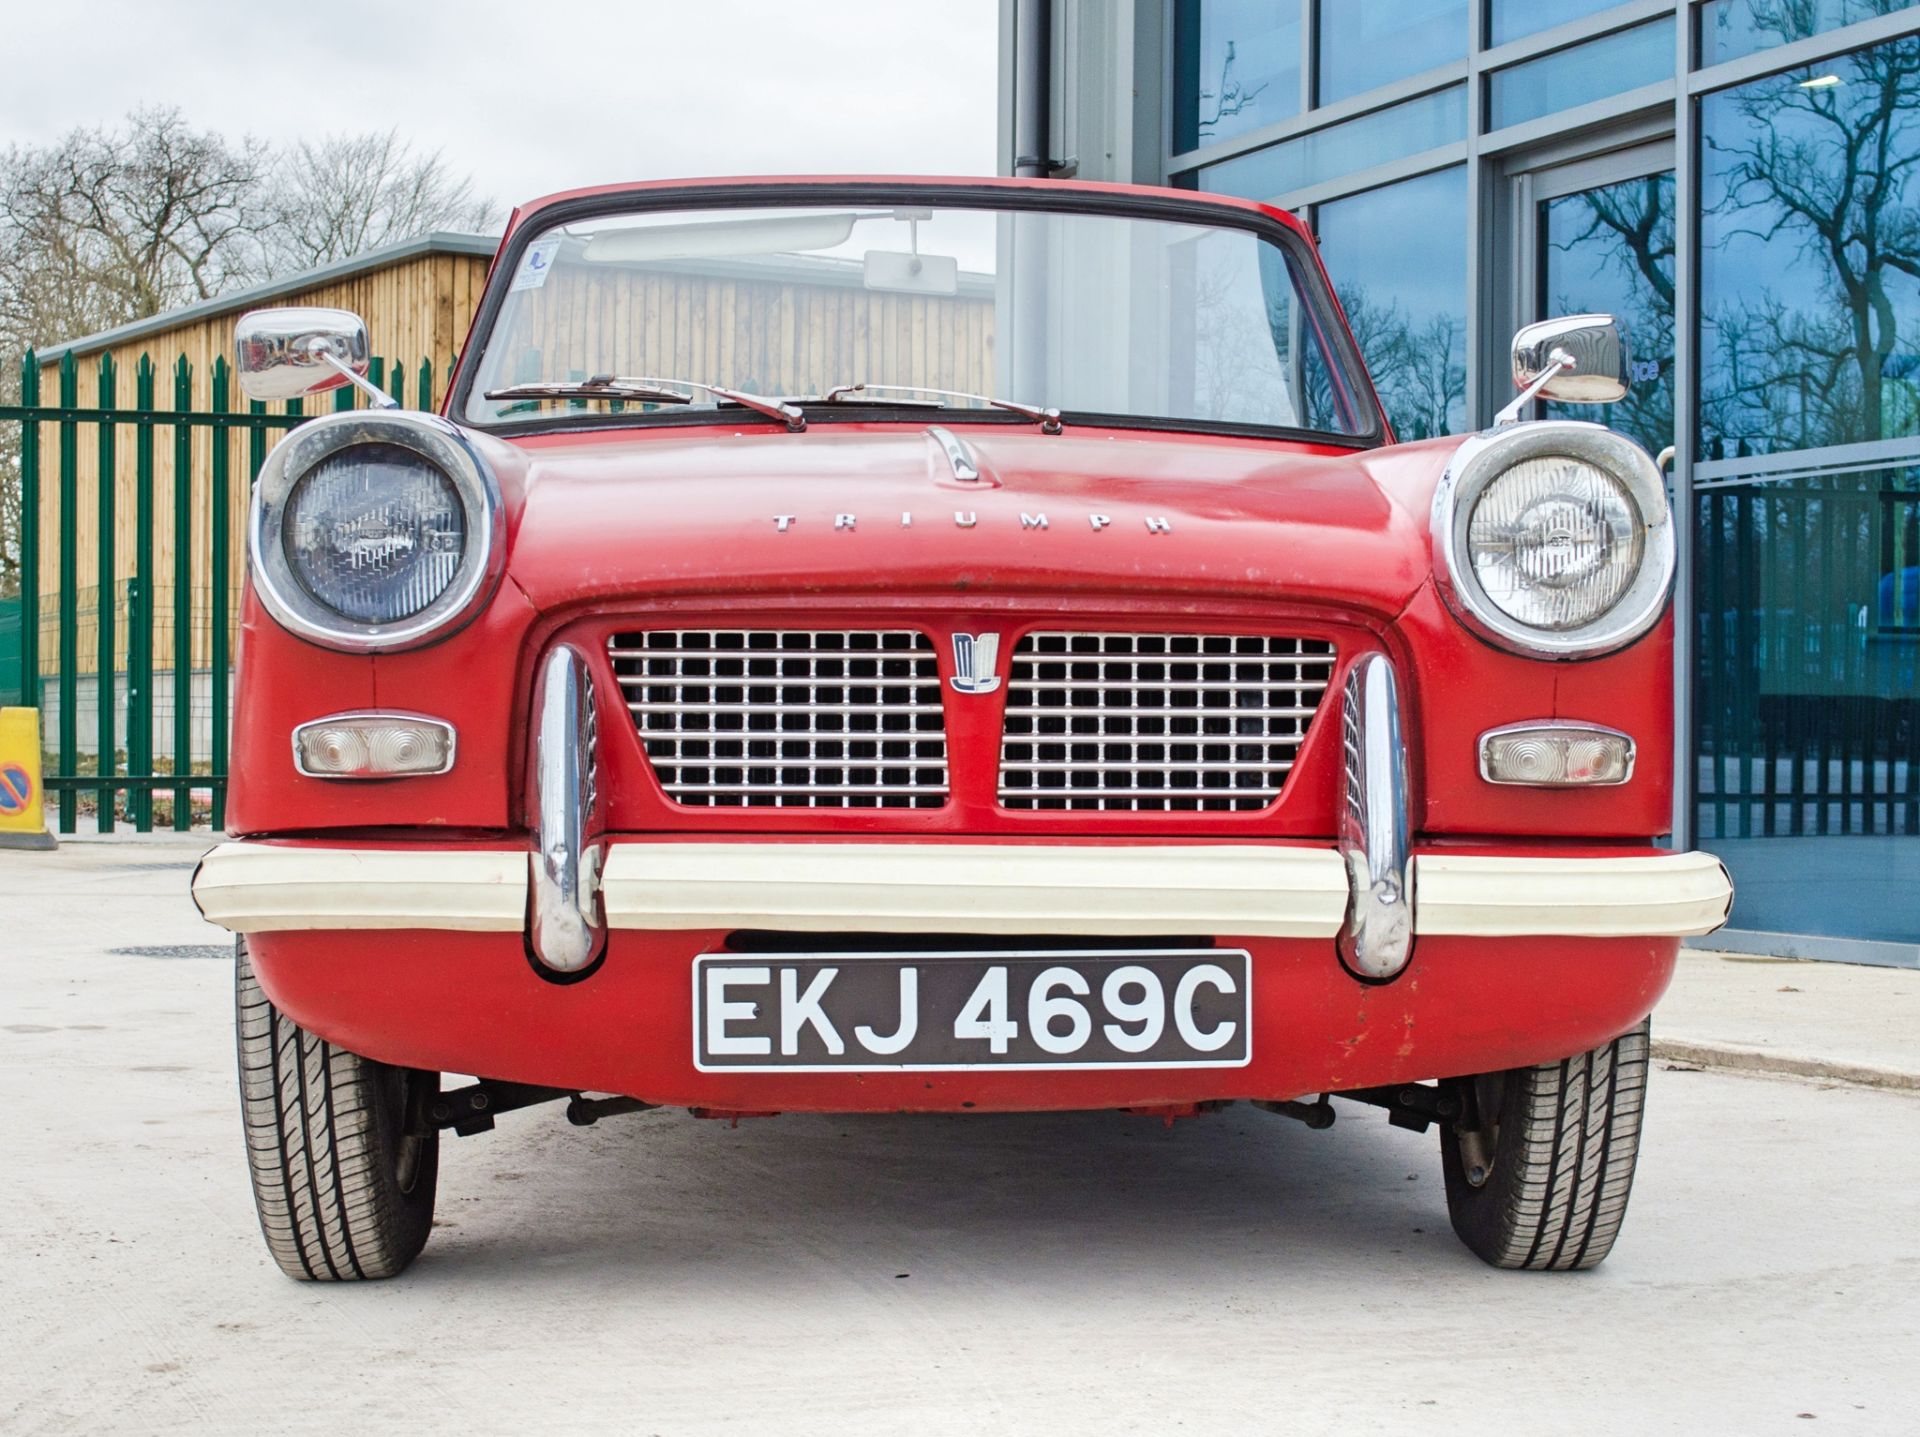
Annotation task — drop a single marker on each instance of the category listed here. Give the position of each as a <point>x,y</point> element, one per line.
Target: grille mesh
<point>778,718</point>
<point>1157,721</point>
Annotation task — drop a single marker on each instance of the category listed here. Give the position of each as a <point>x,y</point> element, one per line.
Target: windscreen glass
<point>1090,313</point>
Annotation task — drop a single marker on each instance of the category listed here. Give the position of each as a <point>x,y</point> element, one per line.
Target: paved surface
<point>984,1274</point>
<point>1822,1019</point>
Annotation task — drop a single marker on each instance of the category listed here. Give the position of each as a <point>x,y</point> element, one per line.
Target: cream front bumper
<point>1239,890</point>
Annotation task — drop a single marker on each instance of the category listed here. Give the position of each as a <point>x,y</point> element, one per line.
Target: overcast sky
<point>534,97</point>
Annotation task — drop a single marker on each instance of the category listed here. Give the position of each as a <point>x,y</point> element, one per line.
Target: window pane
<point>1398,257</point>
<point>1236,67</point>
<point>1609,250</point>
<point>1610,65</point>
<point>1810,305</point>
<point>1367,43</point>
<point>1389,134</point>
<point>1807,700</point>
<point>1102,312</point>
<point>1732,28</point>
<point>1517,19</point>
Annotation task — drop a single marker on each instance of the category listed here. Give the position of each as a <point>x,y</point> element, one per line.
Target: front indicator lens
<point>372,745</point>
<point>375,533</point>
<point>1556,755</point>
<point>1555,542</point>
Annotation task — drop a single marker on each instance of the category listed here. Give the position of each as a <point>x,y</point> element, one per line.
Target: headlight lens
<point>1555,542</point>
<point>1553,539</point>
<point>375,533</point>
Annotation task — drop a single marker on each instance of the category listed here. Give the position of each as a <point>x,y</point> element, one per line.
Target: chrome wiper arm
<point>788,414</point>
<point>649,390</point>
<point>601,386</point>
<point>1047,418</point>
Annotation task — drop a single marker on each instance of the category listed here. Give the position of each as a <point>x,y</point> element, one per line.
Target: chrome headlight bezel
<point>438,443</point>
<point>1484,458</point>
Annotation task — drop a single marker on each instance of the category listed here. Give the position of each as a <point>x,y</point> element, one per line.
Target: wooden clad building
<point>135,582</point>
<point>417,298</point>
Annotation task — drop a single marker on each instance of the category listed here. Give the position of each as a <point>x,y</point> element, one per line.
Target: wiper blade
<point>846,394</point>
<point>648,390</point>
<point>1047,418</point>
<point>601,386</point>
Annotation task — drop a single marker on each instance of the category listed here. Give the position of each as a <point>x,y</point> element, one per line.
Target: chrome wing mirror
<point>291,353</point>
<point>1580,359</point>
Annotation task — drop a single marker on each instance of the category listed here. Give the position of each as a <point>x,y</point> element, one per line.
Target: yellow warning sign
<point>23,815</point>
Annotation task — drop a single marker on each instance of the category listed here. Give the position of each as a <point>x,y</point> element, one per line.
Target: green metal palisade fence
<point>108,633</point>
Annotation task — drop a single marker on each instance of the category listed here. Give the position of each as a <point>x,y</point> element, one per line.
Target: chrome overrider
<point>1377,938</point>
<point>565,929</point>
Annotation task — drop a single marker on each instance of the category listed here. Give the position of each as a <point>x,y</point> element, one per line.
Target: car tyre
<point>344,1172</point>
<point>1540,1178</point>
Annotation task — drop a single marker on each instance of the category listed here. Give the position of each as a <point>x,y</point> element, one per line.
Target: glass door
<point>1596,235</point>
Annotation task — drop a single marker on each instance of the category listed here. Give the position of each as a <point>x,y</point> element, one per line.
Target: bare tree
<point>106,226</point>
<point>1630,226</point>
<point>1419,370</point>
<point>110,225</point>
<point>1229,97</point>
<point>1828,168</point>
<point>347,194</point>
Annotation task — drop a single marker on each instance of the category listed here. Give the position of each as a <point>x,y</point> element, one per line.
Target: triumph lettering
<point>970,519</point>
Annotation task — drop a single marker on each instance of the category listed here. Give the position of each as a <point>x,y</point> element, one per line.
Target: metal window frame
<point>1481,61</point>
<point>1827,45</point>
<point>1665,109</point>
<point>1808,463</point>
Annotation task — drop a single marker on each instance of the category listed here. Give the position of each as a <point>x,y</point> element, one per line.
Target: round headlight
<point>1554,539</point>
<point>375,533</point>
<point>1555,542</point>
<point>376,530</point>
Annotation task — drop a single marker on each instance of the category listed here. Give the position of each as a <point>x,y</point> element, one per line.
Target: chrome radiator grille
<point>778,718</point>
<point>1157,721</point>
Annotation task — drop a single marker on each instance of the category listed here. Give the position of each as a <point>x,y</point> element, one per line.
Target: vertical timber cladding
<point>765,328</point>
<point>133,584</point>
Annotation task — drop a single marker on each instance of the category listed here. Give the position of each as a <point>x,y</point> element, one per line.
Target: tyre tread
<point>320,1167</point>
<point>1563,1169</point>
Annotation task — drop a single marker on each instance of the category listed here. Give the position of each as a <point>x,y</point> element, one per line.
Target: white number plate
<point>866,1012</point>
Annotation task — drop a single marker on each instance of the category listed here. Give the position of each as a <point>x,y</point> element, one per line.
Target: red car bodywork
<point>611,528</point>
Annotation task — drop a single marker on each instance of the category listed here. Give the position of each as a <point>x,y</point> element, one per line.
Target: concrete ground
<point>1098,1273</point>
<point>1827,1020</point>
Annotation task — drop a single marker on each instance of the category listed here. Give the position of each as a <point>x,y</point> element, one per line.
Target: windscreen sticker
<point>535,264</point>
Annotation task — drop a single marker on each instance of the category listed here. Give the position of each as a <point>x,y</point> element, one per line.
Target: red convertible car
<point>940,645</point>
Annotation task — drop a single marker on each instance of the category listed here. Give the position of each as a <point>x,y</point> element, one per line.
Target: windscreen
<point>1094,313</point>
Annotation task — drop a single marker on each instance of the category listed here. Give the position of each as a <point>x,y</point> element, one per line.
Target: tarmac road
<point>1059,1274</point>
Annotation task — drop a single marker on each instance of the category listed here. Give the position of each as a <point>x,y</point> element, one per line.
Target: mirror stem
<point>377,396</point>
<point>1560,360</point>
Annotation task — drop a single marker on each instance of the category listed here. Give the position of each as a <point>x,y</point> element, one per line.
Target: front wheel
<point>343,1171</point>
<point>1539,1171</point>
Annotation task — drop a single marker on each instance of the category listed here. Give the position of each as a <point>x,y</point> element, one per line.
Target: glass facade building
<point>1739,181</point>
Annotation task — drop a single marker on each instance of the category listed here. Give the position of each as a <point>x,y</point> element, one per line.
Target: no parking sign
<point>23,820</point>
